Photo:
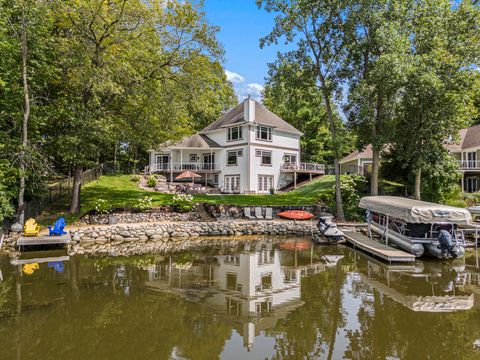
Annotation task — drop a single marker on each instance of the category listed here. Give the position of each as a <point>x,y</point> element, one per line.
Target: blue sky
<point>242,24</point>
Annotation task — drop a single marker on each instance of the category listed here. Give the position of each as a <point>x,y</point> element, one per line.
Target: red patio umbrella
<point>188,174</point>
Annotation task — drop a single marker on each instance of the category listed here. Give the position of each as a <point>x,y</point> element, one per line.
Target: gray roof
<point>197,141</point>
<point>263,116</point>
<point>469,138</point>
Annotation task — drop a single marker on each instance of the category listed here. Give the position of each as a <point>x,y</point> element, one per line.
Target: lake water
<point>263,298</point>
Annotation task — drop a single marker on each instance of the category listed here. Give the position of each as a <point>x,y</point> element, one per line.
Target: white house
<point>249,149</point>
<point>466,151</point>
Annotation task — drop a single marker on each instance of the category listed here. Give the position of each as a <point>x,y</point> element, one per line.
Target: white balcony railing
<point>469,164</point>
<point>307,167</point>
<point>178,166</point>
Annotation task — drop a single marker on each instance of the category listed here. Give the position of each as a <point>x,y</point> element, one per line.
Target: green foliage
<point>102,206</point>
<point>135,178</point>
<point>183,202</point>
<point>143,204</point>
<point>152,181</point>
<point>353,187</point>
<point>6,208</point>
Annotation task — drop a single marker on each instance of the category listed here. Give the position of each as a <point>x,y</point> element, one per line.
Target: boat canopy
<point>415,211</point>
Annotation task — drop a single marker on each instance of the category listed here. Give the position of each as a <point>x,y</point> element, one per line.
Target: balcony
<point>309,168</point>
<point>181,167</point>
<point>469,164</point>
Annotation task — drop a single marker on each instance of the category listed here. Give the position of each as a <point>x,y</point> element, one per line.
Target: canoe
<point>296,215</point>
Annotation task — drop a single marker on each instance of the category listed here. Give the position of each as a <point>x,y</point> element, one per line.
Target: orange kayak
<point>296,215</point>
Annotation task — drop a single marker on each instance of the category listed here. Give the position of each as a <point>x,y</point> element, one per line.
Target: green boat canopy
<point>415,211</point>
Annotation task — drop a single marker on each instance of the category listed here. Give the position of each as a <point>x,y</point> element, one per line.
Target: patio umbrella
<point>188,174</point>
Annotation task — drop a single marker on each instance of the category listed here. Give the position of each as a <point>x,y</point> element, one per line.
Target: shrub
<point>152,182</point>
<point>102,206</point>
<point>135,178</point>
<point>183,202</point>
<point>143,204</point>
<point>6,208</point>
<point>352,187</point>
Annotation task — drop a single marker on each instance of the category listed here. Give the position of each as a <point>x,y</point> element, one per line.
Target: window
<point>215,179</point>
<point>266,158</point>
<point>193,157</point>
<point>231,281</point>
<point>232,157</point>
<point>264,133</point>
<point>234,133</point>
<point>265,183</point>
<point>290,158</point>
<point>240,153</point>
<point>258,153</point>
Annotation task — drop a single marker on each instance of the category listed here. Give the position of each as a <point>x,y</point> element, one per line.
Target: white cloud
<point>252,89</point>
<point>234,77</point>
<point>243,89</point>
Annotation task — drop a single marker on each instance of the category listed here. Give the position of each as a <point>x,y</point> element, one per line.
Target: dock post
<point>386,231</point>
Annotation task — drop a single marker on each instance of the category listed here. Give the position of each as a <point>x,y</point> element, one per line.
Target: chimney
<point>249,109</point>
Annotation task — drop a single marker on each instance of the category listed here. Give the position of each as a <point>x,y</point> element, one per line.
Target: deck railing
<point>179,166</point>
<point>469,164</point>
<point>320,168</point>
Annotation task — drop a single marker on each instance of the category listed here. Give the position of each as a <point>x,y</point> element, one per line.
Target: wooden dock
<point>43,240</point>
<point>378,249</point>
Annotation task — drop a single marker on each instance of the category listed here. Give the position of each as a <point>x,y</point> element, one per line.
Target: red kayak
<point>296,215</point>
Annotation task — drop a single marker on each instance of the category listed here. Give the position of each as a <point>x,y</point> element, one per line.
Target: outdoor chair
<point>248,213</point>
<point>31,228</point>
<point>57,229</point>
<point>269,213</point>
<point>258,213</point>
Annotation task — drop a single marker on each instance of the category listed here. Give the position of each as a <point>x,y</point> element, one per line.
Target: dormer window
<point>234,133</point>
<point>264,133</point>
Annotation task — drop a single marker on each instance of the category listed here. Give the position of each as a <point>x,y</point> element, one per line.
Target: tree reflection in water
<point>284,302</point>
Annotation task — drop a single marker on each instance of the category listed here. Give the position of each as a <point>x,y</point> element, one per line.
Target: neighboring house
<point>249,149</point>
<point>466,152</point>
<point>357,162</point>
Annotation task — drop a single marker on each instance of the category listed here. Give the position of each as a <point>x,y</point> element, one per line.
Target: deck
<point>378,249</point>
<point>43,240</point>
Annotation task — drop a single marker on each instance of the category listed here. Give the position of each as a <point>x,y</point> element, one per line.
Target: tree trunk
<point>77,187</point>
<point>26,117</point>
<point>336,159</point>
<point>375,171</point>
<point>418,181</point>
<point>336,311</point>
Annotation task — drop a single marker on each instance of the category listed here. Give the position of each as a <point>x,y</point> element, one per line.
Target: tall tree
<point>26,46</point>
<point>374,68</point>
<point>436,101</point>
<point>318,27</point>
<point>126,67</point>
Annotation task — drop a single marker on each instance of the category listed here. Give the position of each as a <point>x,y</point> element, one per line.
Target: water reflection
<point>262,298</point>
<point>253,287</point>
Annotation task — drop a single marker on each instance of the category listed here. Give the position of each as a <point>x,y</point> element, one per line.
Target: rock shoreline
<point>126,239</point>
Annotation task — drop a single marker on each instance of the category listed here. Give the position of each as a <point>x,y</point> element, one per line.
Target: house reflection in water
<point>252,288</point>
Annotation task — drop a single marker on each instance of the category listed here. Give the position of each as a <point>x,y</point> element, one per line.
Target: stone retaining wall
<point>146,217</point>
<point>132,238</point>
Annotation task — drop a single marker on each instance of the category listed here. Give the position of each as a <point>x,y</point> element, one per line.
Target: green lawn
<point>123,193</point>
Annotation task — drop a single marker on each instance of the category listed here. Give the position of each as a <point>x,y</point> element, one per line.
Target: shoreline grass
<point>120,192</point>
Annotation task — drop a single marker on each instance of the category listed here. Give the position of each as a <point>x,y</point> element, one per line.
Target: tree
<point>435,103</point>
<point>318,28</point>
<point>126,66</point>
<point>374,69</point>
<point>24,39</point>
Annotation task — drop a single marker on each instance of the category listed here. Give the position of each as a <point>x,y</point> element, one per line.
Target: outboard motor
<point>445,244</point>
